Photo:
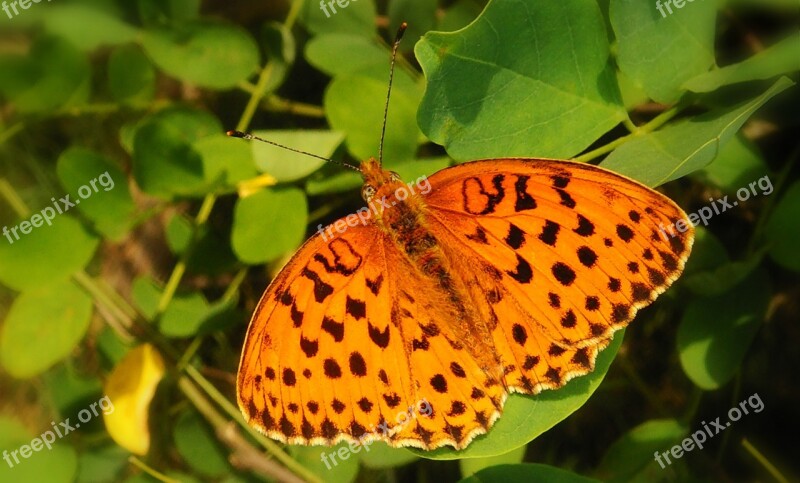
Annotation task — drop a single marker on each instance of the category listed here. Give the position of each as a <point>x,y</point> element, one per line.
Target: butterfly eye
<point>394,176</point>
<point>367,192</point>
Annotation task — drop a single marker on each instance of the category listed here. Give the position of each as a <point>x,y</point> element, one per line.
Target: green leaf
<point>354,105</point>
<point>526,417</point>
<point>783,230</point>
<point>631,457</point>
<point>526,472</point>
<point>738,163</point>
<point>167,156</point>
<point>715,333</point>
<point>53,75</point>
<point>781,58</point>
<point>540,85</point>
<point>661,51</point>
<point>470,466</point>
<point>723,278</point>
<point>214,55</point>
<point>287,166</point>
<point>71,22</point>
<point>109,204</point>
<point>42,327</point>
<point>378,455</point>
<point>131,76</point>
<point>178,233</point>
<point>67,243</point>
<point>677,150</point>
<point>350,16</point>
<point>56,465</point>
<point>268,224</point>
<point>338,463</point>
<point>344,53</point>
<point>198,446</point>
<point>226,161</point>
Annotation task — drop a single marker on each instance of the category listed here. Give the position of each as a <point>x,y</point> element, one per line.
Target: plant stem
<point>651,126</point>
<point>755,453</point>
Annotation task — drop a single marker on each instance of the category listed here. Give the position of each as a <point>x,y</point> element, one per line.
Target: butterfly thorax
<point>401,213</point>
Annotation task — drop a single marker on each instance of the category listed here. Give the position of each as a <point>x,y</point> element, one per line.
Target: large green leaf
<point>208,54</point>
<point>42,327</point>
<point>168,155</point>
<point>268,224</point>
<point>631,457</point>
<point>526,417</point>
<point>54,74</point>
<point>48,252</point>
<point>677,150</point>
<point>715,332</point>
<point>344,53</point>
<point>71,21</point>
<point>287,165</point>
<point>109,204</point>
<point>57,464</point>
<point>525,78</point>
<point>354,105</point>
<point>661,51</point>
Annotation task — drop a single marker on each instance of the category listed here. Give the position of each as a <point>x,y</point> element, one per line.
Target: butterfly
<point>509,275</point>
<point>412,325</point>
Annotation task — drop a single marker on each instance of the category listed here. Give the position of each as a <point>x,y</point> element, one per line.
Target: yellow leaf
<point>131,387</point>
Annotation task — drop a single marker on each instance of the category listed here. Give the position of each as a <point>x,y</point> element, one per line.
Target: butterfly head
<point>378,182</point>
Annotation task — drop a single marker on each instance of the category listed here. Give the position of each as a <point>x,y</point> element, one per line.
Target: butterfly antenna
<point>397,38</point>
<point>240,134</point>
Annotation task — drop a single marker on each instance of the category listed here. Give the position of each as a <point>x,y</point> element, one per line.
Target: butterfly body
<point>507,275</point>
<point>405,222</point>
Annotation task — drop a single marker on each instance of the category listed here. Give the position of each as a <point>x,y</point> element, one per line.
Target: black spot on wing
<point>523,272</point>
<point>516,237</point>
<point>322,290</point>
<point>549,233</point>
<point>524,200</point>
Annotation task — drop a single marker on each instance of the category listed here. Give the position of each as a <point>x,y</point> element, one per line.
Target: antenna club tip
<point>400,31</point>
<point>236,134</point>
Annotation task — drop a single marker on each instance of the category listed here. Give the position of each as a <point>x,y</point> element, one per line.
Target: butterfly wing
<point>558,256</point>
<point>330,349</point>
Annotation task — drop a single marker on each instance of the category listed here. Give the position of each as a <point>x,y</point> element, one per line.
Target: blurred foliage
<point>140,290</point>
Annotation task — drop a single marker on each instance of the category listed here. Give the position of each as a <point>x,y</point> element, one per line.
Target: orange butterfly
<point>503,275</point>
